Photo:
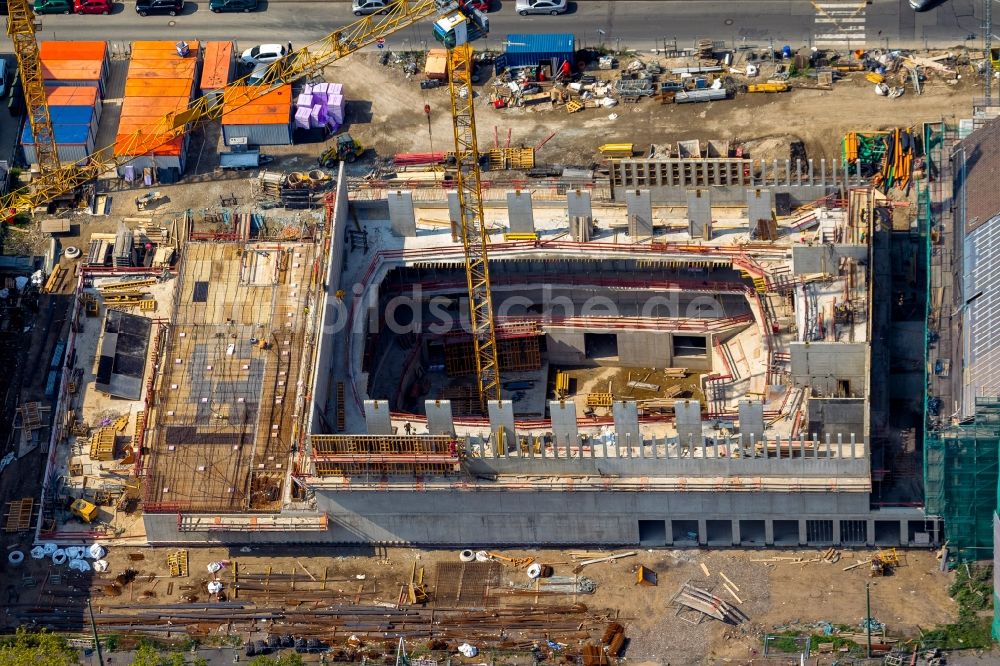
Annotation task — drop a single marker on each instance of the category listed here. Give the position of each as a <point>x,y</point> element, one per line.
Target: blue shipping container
<point>529,50</point>
<point>71,115</point>
<point>67,134</point>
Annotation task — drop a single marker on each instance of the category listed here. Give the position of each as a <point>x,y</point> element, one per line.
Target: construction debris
<point>579,567</point>
<point>705,604</point>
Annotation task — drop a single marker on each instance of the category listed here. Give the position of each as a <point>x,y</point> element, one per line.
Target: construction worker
<point>407,428</point>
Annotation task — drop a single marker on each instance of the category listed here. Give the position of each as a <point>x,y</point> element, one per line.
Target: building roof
<point>976,165</point>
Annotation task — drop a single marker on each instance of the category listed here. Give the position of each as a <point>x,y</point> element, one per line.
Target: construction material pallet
<point>599,399</point>
<point>178,563</point>
<point>102,444</point>
<point>341,411</point>
<point>147,305</point>
<point>126,285</point>
<point>18,516</point>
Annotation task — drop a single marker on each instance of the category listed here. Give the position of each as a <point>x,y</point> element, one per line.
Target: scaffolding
<point>960,477</point>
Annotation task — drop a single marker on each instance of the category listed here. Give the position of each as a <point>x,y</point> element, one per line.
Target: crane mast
<point>21,28</point>
<point>475,238</point>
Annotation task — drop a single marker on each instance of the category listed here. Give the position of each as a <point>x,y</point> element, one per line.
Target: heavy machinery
<point>452,27</point>
<point>84,510</point>
<point>345,148</point>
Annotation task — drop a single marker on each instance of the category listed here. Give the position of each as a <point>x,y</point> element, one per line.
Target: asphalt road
<point>637,24</point>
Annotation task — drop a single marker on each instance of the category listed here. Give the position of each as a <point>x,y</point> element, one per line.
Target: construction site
<point>508,367</point>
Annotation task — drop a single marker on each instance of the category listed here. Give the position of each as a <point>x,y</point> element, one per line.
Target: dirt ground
<point>773,595</point>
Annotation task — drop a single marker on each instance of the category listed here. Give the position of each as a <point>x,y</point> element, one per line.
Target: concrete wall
<point>472,519</point>
<point>565,346</point>
<point>835,416</point>
<point>822,364</point>
<point>322,377</point>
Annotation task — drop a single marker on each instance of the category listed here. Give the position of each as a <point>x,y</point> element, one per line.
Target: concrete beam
<point>564,428</point>
<point>439,417</point>
<point>377,417</point>
<point>520,213</point>
<point>401,215</point>
<point>501,413</point>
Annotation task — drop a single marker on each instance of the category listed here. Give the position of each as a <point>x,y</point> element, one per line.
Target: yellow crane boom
<point>59,179</point>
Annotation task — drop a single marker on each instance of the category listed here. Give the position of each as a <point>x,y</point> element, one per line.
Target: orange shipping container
<point>70,70</point>
<point>162,69</point>
<point>217,66</point>
<point>160,49</point>
<point>158,88</point>
<point>152,107</point>
<point>71,95</point>
<point>73,51</point>
<point>131,144</point>
<point>239,98</point>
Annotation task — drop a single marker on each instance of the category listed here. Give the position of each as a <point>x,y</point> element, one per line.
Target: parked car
<point>478,5</point>
<point>264,53</point>
<point>169,7</point>
<point>232,5</point>
<point>924,5</point>
<point>525,7</point>
<point>92,6</point>
<point>365,7</point>
<point>53,6</point>
<point>259,74</point>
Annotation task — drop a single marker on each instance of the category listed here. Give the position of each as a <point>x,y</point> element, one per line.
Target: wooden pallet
<point>178,563</point>
<point>18,516</point>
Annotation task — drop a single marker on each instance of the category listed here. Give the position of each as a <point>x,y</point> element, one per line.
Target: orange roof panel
<point>158,49</point>
<point>73,51</point>
<point>152,107</point>
<point>217,65</point>
<point>130,144</point>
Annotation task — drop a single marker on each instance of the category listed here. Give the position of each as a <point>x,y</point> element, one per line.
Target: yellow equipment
<point>770,87</point>
<point>84,510</point>
<point>345,147</point>
<point>617,150</point>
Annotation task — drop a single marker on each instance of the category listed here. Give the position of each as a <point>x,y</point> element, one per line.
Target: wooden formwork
<point>18,515</point>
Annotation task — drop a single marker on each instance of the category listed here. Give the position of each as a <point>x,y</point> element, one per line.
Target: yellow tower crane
<point>475,238</point>
<point>21,27</point>
<point>57,179</point>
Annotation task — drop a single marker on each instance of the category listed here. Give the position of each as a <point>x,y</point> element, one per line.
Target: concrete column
<point>501,413</point>
<point>401,215</point>
<point>904,532</point>
<point>870,533</point>
<point>439,418</point>
<point>699,214</point>
<point>811,171</point>
<point>751,417</point>
<point>640,214</point>
<point>836,532</point>
<point>760,206</point>
<point>788,172</point>
<point>454,214</point>
<point>822,171</point>
<point>564,428</point>
<point>737,537</point>
<point>833,163</point>
<point>626,416</point>
<point>798,171</point>
<point>520,213</point>
<point>688,421</point>
<point>803,532</point>
<point>769,532</point>
<point>377,417</point>
<point>578,204</point>
<point>702,532</point>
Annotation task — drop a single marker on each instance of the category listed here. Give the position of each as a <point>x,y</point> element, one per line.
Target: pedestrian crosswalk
<point>839,24</point>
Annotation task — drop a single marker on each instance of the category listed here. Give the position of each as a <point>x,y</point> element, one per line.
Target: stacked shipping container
<point>75,73</point>
<point>159,82</point>
<point>266,121</point>
<point>217,68</point>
